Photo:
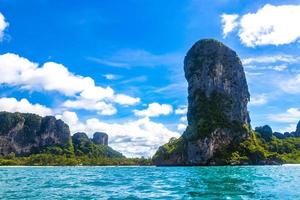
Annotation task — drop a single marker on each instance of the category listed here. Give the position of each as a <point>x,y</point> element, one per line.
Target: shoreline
<point>134,166</point>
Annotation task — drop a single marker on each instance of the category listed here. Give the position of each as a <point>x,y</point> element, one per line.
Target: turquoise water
<point>257,182</point>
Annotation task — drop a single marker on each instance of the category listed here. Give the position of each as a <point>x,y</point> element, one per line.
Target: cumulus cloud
<point>292,115</point>
<point>101,107</point>
<point>229,23</point>
<point>24,106</point>
<point>51,76</point>
<point>125,99</point>
<point>140,137</point>
<point>155,110</point>
<point>3,26</point>
<point>270,25</point>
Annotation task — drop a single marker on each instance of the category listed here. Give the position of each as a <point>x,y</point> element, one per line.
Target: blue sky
<point>117,66</point>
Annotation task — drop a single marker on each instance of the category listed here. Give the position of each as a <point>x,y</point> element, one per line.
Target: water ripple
<point>250,182</point>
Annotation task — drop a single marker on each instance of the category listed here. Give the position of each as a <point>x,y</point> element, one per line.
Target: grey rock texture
<point>209,67</point>
<point>80,138</point>
<point>100,138</point>
<point>217,106</point>
<point>297,132</point>
<point>23,133</point>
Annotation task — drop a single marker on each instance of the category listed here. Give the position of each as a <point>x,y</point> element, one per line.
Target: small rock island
<point>219,130</point>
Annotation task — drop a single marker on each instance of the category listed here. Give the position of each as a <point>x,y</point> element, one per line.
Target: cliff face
<point>100,138</point>
<point>24,134</point>
<point>217,106</point>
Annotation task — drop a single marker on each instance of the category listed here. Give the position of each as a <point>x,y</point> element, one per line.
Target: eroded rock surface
<point>217,106</point>
<point>100,138</point>
<point>24,134</point>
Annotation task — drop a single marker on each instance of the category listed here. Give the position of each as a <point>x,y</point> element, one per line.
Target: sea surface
<point>247,182</point>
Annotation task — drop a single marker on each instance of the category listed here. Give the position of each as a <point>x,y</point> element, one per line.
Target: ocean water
<point>248,182</point>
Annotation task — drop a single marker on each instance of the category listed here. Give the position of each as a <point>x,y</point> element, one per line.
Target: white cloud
<point>181,110</point>
<point>125,100</point>
<point>271,59</point>
<point>51,76</point>
<point>291,85</point>
<point>279,67</point>
<point>111,76</point>
<point>270,25</point>
<point>97,93</point>
<point>183,119</point>
<point>68,117</point>
<point>3,26</point>
<point>292,115</point>
<point>154,110</point>
<point>181,127</point>
<point>101,107</point>
<point>72,120</point>
<point>260,99</point>
<point>18,71</point>
<point>141,137</point>
<point>229,23</point>
<point>24,106</point>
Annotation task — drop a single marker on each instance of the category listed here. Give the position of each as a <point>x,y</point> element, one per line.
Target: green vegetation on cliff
<point>209,113</point>
<point>29,139</point>
<point>253,151</point>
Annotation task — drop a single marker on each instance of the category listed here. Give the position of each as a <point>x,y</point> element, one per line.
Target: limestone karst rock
<point>100,138</point>
<point>95,147</point>
<point>297,132</point>
<point>217,106</point>
<point>23,133</point>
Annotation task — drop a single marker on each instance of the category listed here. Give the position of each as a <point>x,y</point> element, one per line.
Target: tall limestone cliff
<point>217,106</point>
<point>100,138</point>
<point>24,134</point>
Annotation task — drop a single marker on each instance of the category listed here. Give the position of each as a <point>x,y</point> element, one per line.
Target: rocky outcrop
<point>217,106</point>
<point>24,134</point>
<point>100,138</point>
<point>297,132</point>
<point>80,138</point>
<point>95,147</point>
<point>265,132</point>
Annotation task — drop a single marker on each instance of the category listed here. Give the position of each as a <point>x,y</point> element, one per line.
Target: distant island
<point>219,131</point>
<point>29,139</point>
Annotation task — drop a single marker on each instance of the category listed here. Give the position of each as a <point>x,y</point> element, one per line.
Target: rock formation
<point>95,147</point>
<point>23,134</point>
<point>80,138</point>
<point>265,132</point>
<point>217,106</point>
<point>100,138</point>
<point>297,132</point>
